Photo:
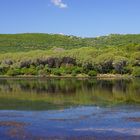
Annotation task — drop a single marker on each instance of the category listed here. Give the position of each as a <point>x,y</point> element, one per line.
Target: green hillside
<point>49,54</point>
<point>27,42</point>
<point>115,40</point>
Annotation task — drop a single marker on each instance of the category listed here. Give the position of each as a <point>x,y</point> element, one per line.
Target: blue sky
<point>84,18</point>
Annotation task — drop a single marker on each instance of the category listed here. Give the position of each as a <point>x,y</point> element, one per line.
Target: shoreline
<point>99,76</point>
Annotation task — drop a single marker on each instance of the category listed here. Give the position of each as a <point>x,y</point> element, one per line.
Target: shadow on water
<point>46,94</point>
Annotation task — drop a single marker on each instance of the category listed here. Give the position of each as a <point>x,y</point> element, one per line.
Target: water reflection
<point>69,91</point>
<point>67,86</point>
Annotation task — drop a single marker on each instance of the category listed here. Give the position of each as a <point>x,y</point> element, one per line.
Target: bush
<point>47,70</point>
<point>104,62</point>
<point>3,69</point>
<point>92,73</point>
<point>77,70</point>
<point>29,71</point>
<point>136,72</point>
<point>56,72</point>
<point>120,65</point>
<point>74,74</point>
<point>40,67</point>
<point>127,70</point>
<point>67,69</point>
<point>41,73</point>
<point>13,72</point>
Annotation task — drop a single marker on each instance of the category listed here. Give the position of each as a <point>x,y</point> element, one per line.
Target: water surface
<point>69,109</point>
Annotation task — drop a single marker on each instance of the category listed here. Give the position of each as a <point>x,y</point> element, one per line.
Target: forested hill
<point>27,42</point>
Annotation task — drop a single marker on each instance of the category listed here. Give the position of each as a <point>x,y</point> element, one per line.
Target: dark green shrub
<point>24,71</point>
<point>29,71</point>
<point>77,70</point>
<point>66,69</point>
<point>127,70</point>
<point>47,70</point>
<point>3,69</point>
<point>40,67</point>
<point>13,72</point>
<point>87,68</point>
<point>136,72</point>
<point>32,71</point>
<point>92,73</point>
<point>56,72</point>
<point>42,72</point>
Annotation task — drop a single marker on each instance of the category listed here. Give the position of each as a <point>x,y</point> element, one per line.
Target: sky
<point>85,18</point>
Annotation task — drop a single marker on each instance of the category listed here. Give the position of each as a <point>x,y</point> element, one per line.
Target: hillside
<point>27,42</point>
<point>115,40</point>
<point>47,54</point>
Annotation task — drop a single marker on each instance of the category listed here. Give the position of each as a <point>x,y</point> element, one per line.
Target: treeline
<point>88,61</point>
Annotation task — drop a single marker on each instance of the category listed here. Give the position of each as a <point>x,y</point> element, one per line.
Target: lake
<point>69,109</point>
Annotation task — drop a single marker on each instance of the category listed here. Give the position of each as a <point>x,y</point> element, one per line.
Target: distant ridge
<point>36,41</point>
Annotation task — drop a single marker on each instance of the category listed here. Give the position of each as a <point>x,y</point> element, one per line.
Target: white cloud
<point>59,3</point>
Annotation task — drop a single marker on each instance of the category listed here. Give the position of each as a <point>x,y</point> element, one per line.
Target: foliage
<point>56,72</point>
<point>78,70</point>
<point>136,71</point>
<point>92,73</point>
<point>29,71</point>
<point>104,63</point>
<point>13,72</point>
<point>33,41</point>
<point>45,54</point>
<point>119,64</point>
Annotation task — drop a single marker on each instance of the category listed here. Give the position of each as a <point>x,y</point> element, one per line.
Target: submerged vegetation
<point>47,55</point>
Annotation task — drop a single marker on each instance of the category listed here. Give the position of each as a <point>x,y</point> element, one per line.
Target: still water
<point>69,109</point>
